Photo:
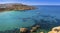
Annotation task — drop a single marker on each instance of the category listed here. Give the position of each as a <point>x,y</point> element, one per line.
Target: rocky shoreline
<point>16,6</point>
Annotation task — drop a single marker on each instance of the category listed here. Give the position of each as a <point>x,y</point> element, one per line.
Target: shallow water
<point>17,19</point>
<point>11,20</point>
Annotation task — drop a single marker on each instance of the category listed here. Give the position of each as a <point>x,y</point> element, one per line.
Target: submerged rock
<point>38,26</point>
<point>32,30</point>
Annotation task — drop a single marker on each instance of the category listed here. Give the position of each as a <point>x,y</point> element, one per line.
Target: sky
<point>33,2</point>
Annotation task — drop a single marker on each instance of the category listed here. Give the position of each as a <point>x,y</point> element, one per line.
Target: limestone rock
<point>15,6</point>
<point>52,32</point>
<point>32,30</point>
<point>23,30</point>
<point>55,30</point>
<point>41,32</point>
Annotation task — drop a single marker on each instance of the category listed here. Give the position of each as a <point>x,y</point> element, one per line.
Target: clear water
<point>17,19</point>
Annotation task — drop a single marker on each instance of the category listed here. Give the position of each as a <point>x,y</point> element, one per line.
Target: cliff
<point>8,7</point>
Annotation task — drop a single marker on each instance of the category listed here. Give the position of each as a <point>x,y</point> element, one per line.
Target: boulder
<point>52,32</point>
<point>59,32</point>
<point>55,30</point>
<point>41,32</point>
<point>23,30</point>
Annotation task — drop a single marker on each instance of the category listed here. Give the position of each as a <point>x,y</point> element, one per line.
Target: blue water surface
<point>18,19</point>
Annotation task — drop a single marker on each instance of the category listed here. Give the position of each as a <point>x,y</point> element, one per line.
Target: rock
<point>32,30</point>
<point>41,32</point>
<point>52,32</point>
<point>59,32</point>
<point>23,30</point>
<point>38,26</point>
<point>15,6</point>
<point>55,30</point>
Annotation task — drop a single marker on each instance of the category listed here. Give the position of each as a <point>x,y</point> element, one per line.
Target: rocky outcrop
<point>55,30</point>
<point>41,32</point>
<point>23,30</point>
<point>8,7</point>
<point>35,28</point>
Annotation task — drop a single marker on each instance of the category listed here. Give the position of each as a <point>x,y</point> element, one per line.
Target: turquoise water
<point>17,19</point>
<point>14,19</point>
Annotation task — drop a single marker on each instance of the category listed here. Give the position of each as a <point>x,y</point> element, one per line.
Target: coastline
<point>10,7</point>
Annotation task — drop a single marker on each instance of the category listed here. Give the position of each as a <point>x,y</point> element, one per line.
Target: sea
<point>47,16</point>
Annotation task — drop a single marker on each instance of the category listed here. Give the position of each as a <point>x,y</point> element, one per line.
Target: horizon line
<point>33,4</point>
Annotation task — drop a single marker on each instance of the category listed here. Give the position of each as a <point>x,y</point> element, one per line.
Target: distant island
<point>15,6</point>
